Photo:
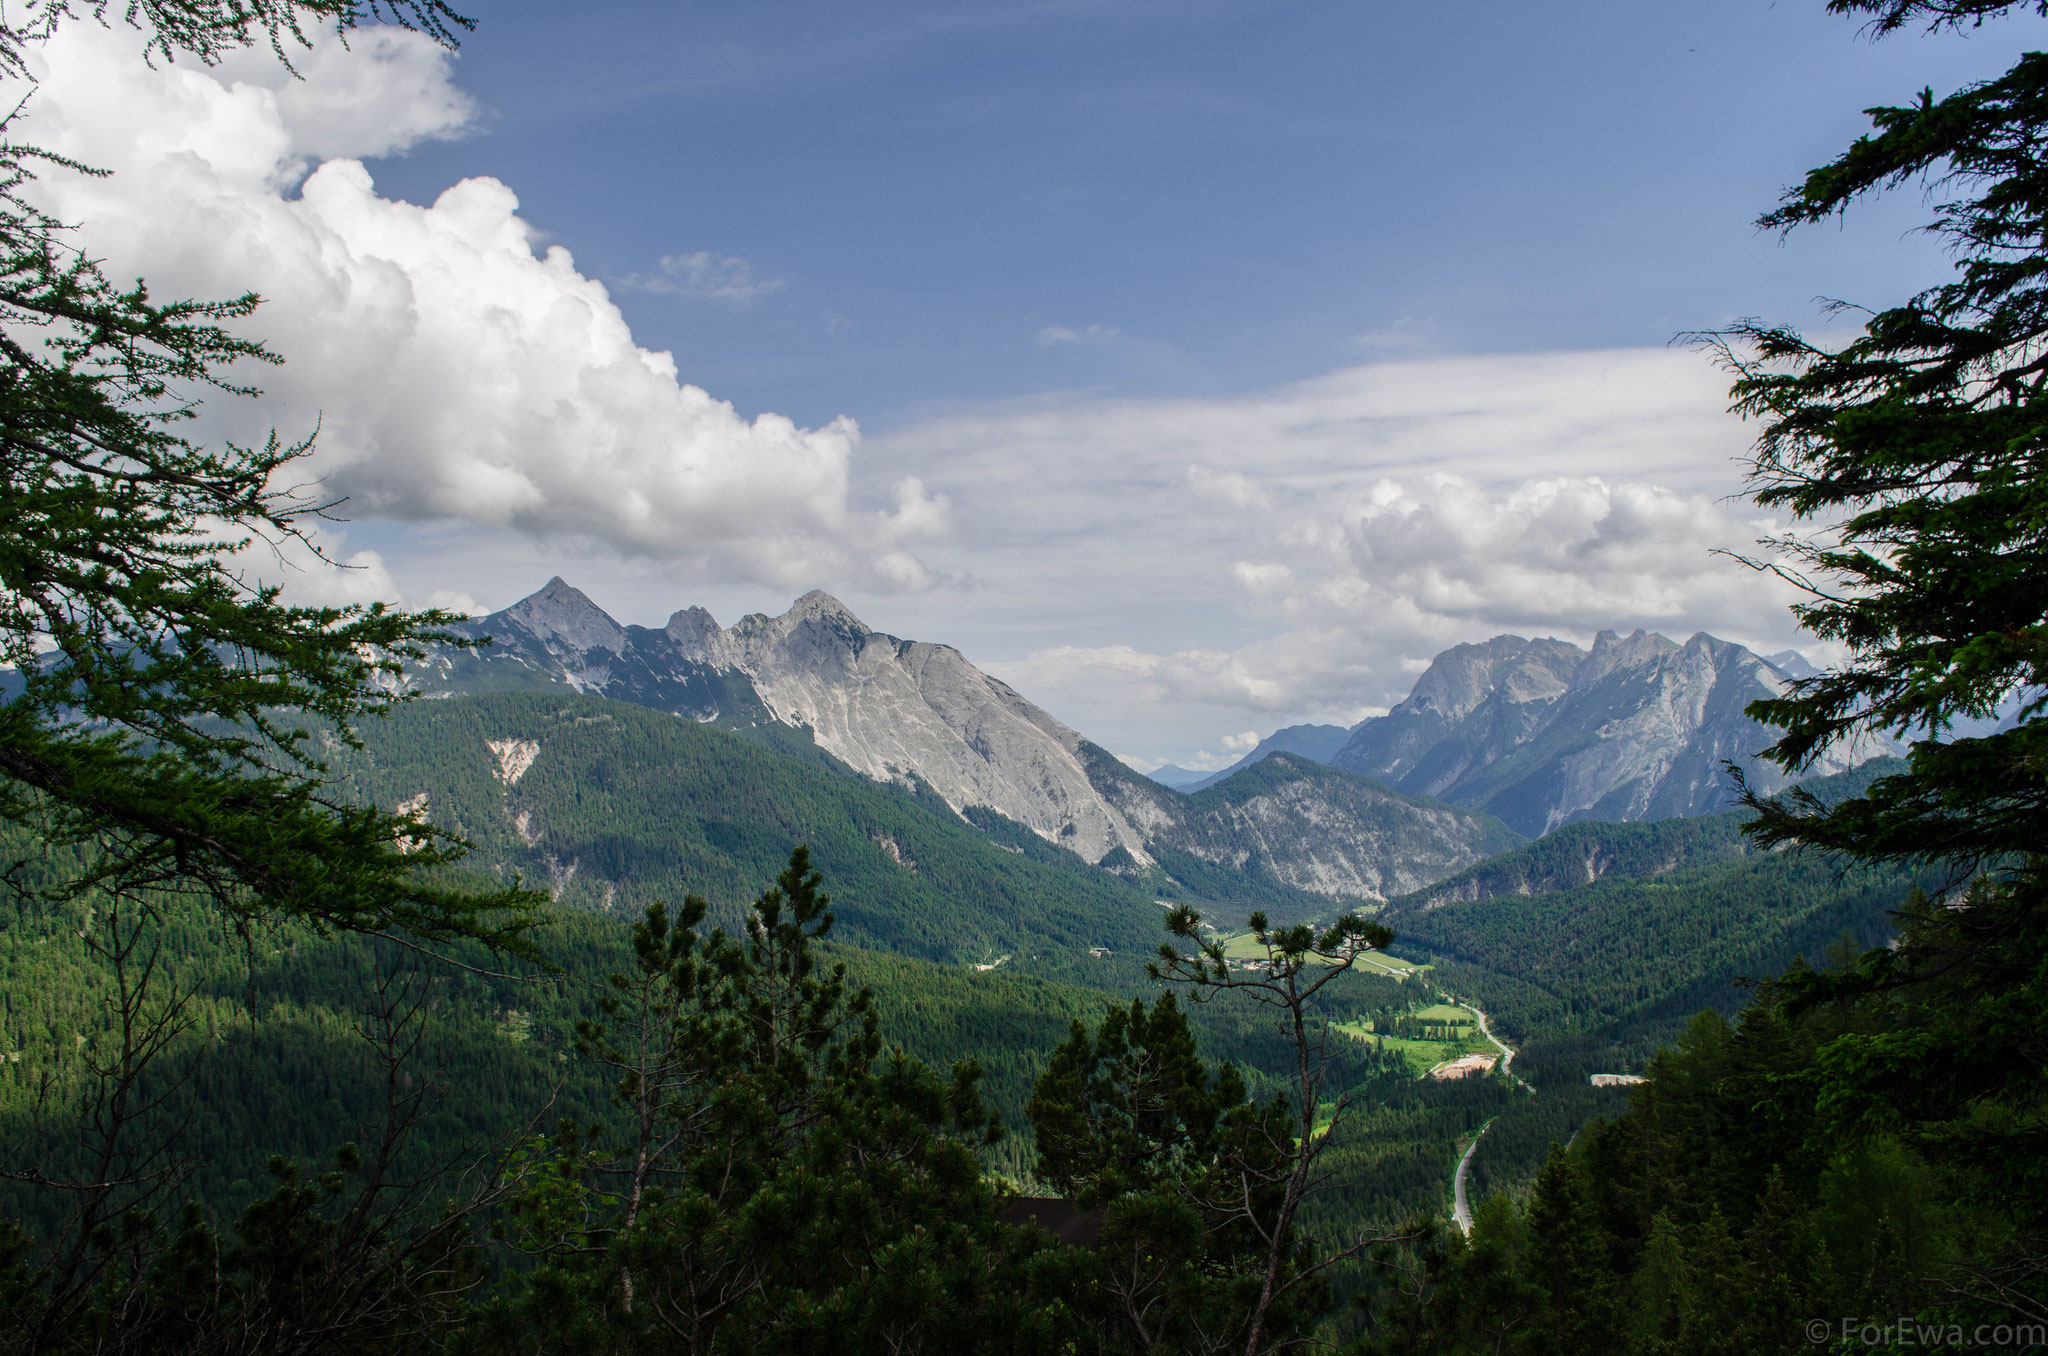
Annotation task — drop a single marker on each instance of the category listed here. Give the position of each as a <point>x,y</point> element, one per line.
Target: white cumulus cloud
<point>455,372</point>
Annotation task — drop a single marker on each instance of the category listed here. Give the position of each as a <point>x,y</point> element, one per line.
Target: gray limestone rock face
<point>1473,705</point>
<point>698,637</point>
<point>891,709</point>
<point>1542,733</point>
<point>562,618</point>
<point>1329,833</point>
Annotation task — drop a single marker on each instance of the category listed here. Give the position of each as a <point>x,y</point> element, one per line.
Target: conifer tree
<point>1916,456</point>
<point>162,707</point>
<point>1274,1165</point>
<point>783,1185</point>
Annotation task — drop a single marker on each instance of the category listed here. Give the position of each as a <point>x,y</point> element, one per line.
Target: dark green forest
<point>274,1056</point>
<point>624,802</point>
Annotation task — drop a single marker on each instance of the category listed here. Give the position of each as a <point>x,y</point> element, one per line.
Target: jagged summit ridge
<point>1541,732</point>
<point>889,708</point>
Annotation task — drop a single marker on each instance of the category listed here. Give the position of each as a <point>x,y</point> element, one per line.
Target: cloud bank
<point>1305,551</point>
<point>1163,573</point>
<point>454,372</point>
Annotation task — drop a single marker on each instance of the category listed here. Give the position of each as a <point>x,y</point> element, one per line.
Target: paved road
<point>1461,1209</point>
<point>1507,1054</point>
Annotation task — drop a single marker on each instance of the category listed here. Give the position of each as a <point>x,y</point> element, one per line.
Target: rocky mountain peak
<point>1792,664</point>
<point>1459,679</point>
<point>698,637</point>
<point>818,605</point>
<point>561,613</point>
<point>1542,733</point>
<point>814,610</point>
<point>1611,651</point>
<point>1520,670</point>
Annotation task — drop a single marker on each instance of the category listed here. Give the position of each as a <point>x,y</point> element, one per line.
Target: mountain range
<point>1498,742</point>
<point>967,831</point>
<point>1541,732</point>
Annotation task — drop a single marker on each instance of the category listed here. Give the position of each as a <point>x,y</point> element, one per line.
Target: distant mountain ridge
<point>1288,821</point>
<point>1178,777</point>
<point>1543,733</point>
<point>1317,742</point>
<point>912,712</point>
<point>1498,742</point>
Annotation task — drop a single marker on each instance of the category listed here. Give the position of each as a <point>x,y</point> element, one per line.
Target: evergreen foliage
<point>1915,450</point>
<point>222,878</point>
<point>159,700</point>
<point>1725,1211</point>
<point>621,803</point>
<point>782,1184</point>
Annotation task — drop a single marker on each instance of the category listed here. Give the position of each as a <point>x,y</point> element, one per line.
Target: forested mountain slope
<point>274,1060</point>
<point>614,805</point>
<point>1584,852</point>
<point>1595,945</point>
<point>271,1055</point>
<point>1678,914</point>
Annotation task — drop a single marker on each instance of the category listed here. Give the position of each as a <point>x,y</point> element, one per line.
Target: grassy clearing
<point>1421,1055</point>
<point>1243,946</point>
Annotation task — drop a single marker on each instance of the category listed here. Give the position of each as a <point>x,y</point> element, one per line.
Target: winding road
<point>1507,1053</point>
<point>1461,1209</point>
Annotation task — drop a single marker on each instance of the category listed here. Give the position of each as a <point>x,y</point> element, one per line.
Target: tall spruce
<point>1915,452</point>
<point>1918,451</point>
<point>163,707</point>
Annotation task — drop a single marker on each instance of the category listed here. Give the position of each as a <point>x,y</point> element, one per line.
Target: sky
<point>1198,368</point>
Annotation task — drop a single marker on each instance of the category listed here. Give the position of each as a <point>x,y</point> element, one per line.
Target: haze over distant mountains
<point>1500,740</point>
<point>1318,742</point>
<point>1543,733</point>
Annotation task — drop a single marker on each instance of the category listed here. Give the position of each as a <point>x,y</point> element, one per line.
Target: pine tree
<point>1573,1258</point>
<point>782,1185</point>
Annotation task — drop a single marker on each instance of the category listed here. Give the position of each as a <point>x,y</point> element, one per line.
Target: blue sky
<point>1235,194</point>
<point>1199,368</point>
